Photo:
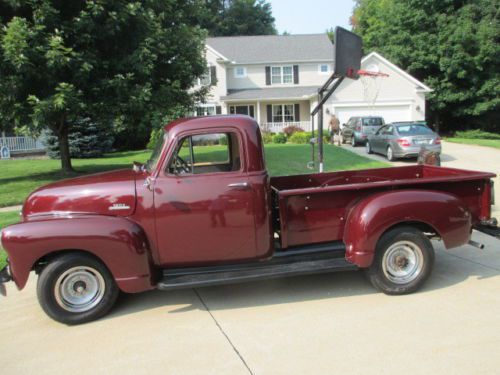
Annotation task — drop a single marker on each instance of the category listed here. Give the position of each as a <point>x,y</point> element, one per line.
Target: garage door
<point>389,113</point>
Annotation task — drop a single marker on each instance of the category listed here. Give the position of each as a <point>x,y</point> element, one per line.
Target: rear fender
<point>372,216</point>
<point>118,242</point>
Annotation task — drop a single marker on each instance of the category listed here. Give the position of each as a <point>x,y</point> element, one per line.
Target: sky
<point>311,16</point>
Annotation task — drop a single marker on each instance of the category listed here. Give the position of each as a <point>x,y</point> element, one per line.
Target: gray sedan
<point>403,140</point>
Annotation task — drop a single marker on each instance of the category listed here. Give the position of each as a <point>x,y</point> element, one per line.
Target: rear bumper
<point>412,152</point>
<point>489,227</point>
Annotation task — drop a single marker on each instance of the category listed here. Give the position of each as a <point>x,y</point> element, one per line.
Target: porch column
<point>258,112</point>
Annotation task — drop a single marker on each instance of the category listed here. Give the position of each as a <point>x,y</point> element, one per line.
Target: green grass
<point>495,143</point>
<point>6,218</point>
<point>20,177</point>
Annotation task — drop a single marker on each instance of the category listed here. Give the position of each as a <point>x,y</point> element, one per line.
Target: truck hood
<point>109,193</point>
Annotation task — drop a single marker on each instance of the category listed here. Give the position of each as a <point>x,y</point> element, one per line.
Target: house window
<point>242,110</point>
<point>240,72</point>
<point>205,110</point>
<point>209,77</point>
<point>283,113</point>
<point>324,68</point>
<point>281,74</point>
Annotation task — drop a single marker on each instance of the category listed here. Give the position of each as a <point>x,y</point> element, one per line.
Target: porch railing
<point>22,144</point>
<point>277,127</point>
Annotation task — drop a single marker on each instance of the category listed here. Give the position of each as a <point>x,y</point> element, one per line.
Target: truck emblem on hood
<point>119,206</point>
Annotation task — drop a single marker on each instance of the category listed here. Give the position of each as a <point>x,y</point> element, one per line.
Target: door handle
<point>239,185</point>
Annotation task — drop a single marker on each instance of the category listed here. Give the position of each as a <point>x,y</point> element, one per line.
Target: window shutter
<point>213,75</point>
<point>268,75</point>
<point>218,109</point>
<point>296,74</point>
<point>297,112</point>
<point>269,110</point>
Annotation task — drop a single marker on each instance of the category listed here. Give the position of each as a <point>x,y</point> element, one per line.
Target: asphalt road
<point>318,324</point>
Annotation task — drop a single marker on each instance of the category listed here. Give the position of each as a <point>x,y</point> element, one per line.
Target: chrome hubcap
<point>367,146</point>
<point>79,289</point>
<point>389,153</point>
<point>403,262</point>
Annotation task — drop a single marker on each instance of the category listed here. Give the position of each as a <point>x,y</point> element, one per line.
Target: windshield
<point>414,129</point>
<point>155,155</point>
<point>373,121</point>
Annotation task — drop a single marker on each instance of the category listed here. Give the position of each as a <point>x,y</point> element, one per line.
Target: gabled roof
<point>273,48</point>
<point>410,78</point>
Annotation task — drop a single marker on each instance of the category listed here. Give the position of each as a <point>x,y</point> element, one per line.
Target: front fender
<point>118,242</point>
<point>372,216</point>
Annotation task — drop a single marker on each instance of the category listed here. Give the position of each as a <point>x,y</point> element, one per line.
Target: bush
<point>86,140</point>
<point>279,138</point>
<point>476,134</point>
<point>267,137</point>
<point>290,130</point>
<point>300,137</point>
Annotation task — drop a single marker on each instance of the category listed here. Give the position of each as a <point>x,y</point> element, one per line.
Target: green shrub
<point>300,137</point>
<point>279,138</point>
<point>156,135</point>
<point>476,134</point>
<point>267,137</point>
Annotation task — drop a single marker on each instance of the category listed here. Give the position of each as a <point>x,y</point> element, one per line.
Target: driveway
<point>319,324</point>
<point>457,156</point>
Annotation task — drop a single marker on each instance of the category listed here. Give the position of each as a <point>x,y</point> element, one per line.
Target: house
<point>275,79</point>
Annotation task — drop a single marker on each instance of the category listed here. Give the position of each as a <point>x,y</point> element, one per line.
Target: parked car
<point>357,129</point>
<point>403,140</point>
<point>192,217</point>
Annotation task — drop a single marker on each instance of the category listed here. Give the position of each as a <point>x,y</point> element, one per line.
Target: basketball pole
<point>322,98</point>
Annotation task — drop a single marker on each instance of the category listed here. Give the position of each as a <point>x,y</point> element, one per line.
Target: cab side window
<point>206,153</point>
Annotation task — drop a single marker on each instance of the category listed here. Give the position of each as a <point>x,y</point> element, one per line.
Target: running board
<point>259,271</point>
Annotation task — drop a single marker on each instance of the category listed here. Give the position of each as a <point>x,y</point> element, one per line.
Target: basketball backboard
<point>347,53</point>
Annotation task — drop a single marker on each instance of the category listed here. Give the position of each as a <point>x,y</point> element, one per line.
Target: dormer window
<point>240,72</point>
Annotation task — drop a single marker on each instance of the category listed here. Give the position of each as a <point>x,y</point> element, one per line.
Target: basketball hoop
<point>371,81</point>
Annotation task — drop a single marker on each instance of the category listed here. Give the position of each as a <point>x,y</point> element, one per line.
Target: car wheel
<point>353,141</point>
<point>76,288</point>
<point>390,154</point>
<point>343,139</point>
<point>368,148</point>
<point>403,261</point>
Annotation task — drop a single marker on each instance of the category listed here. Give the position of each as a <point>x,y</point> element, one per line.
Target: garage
<point>390,113</point>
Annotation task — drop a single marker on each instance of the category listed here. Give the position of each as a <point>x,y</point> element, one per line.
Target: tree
<point>116,62</point>
<point>453,46</point>
<point>238,17</point>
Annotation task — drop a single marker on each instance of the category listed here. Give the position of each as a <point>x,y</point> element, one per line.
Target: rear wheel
<point>353,141</point>
<point>403,261</point>
<point>390,154</point>
<point>76,288</point>
<point>368,148</point>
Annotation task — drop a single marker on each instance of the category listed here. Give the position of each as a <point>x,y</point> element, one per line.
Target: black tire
<point>390,154</point>
<point>368,148</point>
<point>380,274</point>
<point>343,139</point>
<point>353,141</point>
<point>51,291</point>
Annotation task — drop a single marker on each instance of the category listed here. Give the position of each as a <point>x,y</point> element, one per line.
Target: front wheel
<point>390,154</point>
<point>76,288</point>
<point>403,261</point>
<point>368,148</point>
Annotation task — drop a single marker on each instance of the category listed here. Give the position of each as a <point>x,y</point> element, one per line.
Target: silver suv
<point>357,129</point>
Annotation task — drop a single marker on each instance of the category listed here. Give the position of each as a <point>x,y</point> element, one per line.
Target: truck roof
<point>245,123</point>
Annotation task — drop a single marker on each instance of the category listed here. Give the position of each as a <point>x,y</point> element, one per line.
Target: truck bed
<point>312,208</point>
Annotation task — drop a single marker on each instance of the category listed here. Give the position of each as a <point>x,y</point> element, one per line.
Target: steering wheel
<point>181,163</point>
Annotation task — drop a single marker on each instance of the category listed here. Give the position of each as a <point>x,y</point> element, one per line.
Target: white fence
<point>22,144</point>
<point>277,127</point>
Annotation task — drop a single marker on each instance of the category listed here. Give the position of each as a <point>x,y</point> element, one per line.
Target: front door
<point>204,202</point>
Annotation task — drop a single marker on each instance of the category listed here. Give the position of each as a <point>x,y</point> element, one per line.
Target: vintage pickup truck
<point>204,211</point>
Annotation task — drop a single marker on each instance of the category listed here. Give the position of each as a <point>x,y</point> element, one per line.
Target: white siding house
<point>275,79</point>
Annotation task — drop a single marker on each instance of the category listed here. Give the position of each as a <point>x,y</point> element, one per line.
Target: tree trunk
<point>62,136</point>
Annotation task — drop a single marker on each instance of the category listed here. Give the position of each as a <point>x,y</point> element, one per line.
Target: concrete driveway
<point>320,324</point>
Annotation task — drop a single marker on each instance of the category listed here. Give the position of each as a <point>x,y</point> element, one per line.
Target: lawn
<point>478,142</point>
<point>20,177</point>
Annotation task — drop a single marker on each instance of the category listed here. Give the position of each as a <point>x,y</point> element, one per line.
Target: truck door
<point>204,203</point>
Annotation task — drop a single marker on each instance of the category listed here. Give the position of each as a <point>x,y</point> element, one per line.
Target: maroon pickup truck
<point>204,211</point>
